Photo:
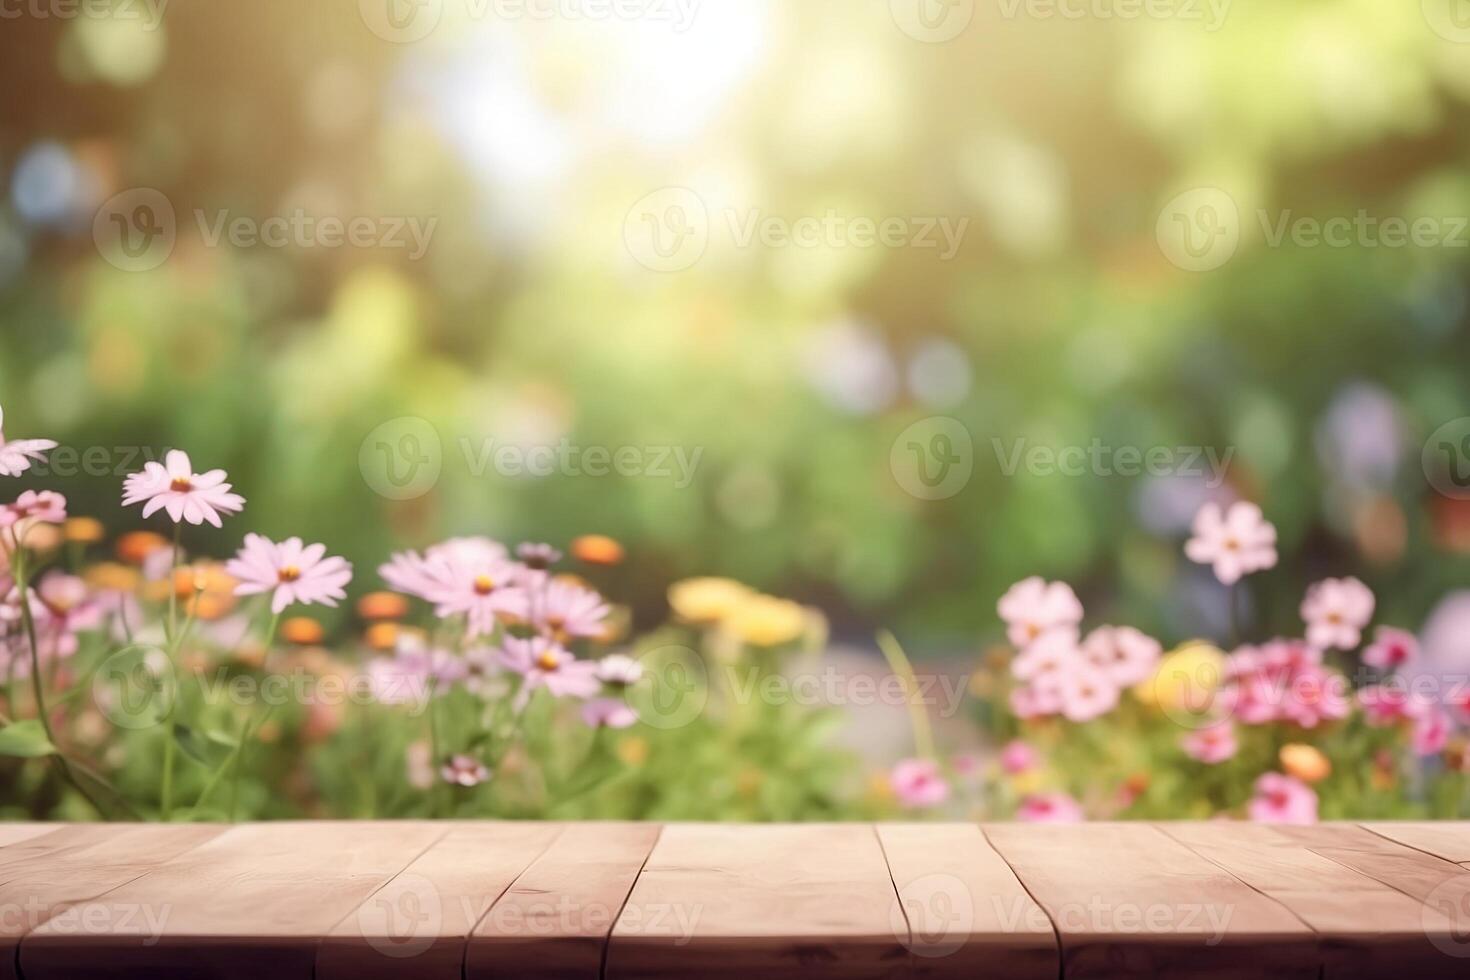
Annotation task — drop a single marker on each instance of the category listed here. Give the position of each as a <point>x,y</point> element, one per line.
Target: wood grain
<point>1129,901</point>
<point>1364,928</point>
<point>53,876</point>
<point>553,923</point>
<point>768,901</point>
<point>420,921</point>
<point>967,915</point>
<point>1447,840</point>
<point>253,901</point>
<point>15,833</point>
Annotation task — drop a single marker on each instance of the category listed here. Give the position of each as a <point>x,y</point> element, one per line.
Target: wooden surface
<point>320,901</point>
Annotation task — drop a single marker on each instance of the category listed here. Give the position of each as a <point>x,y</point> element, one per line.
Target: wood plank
<point>769,901</point>
<point>1442,887</point>
<point>1444,839</point>
<point>1129,901</point>
<point>420,921</point>
<point>1365,929</point>
<point>554,922</point>
<point>47,876</point>
<point>253,901</point>
<point>966,913</point>
<point>16,833</point>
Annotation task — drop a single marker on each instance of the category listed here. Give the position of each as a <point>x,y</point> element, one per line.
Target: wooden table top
<point>588,900</point>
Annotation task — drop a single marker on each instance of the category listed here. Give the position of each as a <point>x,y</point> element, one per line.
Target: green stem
<point>898,661</point>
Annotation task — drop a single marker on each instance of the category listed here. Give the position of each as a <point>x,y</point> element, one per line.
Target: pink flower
<point>1336,610</point>
<point>564,610</point>
<point>1391,649</point>
<point>1122,653</point>
<point>1211,745</point>
<point>468,576</point>
<point>173,486</point>
<point>296,572</point>
<point>418,765</point>
<point>1086,693</point>
<point>464,770</point>
<point>1431,730</point>
<point>544,664</point>
<point>1237,543</point>
<point>608,713</point>
<point>537,557</point>
<point>1282,799</point>
<point>45,507</point>
<point>16,456</point>
<point>1030,702</point>
<point>1017,757</point>
<point>918,784</point>
<point>1050,808</point>
<point>619,670</point>
<point>1285,681</point>
<point>1387,704</point>
<point>1046,660</point>
<point>1033,608</point>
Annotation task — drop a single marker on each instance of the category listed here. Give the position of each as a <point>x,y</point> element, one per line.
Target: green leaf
<point>26,740</point>
<point>208,748</point>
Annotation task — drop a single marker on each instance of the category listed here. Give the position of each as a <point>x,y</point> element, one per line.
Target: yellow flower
<point>1184,686</point>
<point>766,621</point>
<point>112,577</point>
<point>706,600</point>
<point>84,530</point>
<point>633,751</point>
<point>1305,762</point>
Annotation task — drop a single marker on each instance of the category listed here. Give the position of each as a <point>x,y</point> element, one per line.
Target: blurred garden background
<point>535,147</point>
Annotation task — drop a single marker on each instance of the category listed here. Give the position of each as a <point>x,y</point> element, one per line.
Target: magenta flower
<point>1034,607</point>
<point>1336,611</point>
<point>918,784</point>
<point>1431,731</point>
<point>1017,757</point>
<point>608,713</point>
<point>565,610</point>
<point>544,664</point>
<point>1050,808</point>
<point>1285,681</point>
<point>45,507</point>
<point>1237,543</point>
<point>464,770</point>
<point>1122,653</point>
<point>293,572</point>
<point>1211,745</point>
<point>174,487</point>
<point>1387,704</point>
<point>16,456</point>
<point>1391,649</point>
<point>1282,799</point>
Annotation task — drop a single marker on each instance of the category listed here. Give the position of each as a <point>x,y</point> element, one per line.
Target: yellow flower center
<point>484,585</point>
<point>181,484</point>
<point>548,660</point>
<point>290,573</point>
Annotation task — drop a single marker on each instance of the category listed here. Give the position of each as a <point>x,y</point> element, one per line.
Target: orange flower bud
<point>598,549</point>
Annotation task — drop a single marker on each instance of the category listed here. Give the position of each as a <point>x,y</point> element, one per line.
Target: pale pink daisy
<point>468,576</point>
<point>1237,543</point>
<point>464,770</point>
<point>1086,692</point>
<point>16,456</point>
<point>1282,799</point>
<point>1123,653</point>
<point>608,713</point>
<point>918,784</point>
<point>1211,745</point>
<point>1050,808</point>
<point>565,611</point>
<point>1047,659</point>
<point>1391,649</point>
<point>1029,702</point>
<point>174,487</point>
<point>1034,607</point>
<point>619,670</point>
<point>544,664</point>
<point>45,507</point>
<point>1018,757</point>
<point>290,570</point>
<point>1336,611</point>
